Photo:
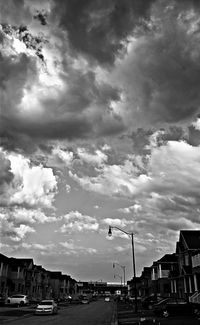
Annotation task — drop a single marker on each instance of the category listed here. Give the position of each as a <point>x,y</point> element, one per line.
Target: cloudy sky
<point>99,126</point>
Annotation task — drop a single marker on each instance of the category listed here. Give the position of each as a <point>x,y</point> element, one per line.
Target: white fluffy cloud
<point>75,221</point>
<point>76,249</point>
<point>170,168</point>
<point>119,222</point>
<point>32,185</point>
<point>118,180</point>
<point>38,247</point>
<point>26,216</point>
<point>98,158</point>
<point>64,155</point>
<point>12,231</point>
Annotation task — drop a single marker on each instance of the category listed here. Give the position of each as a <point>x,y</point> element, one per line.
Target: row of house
<point>174,275</point>
<point>21,275</point>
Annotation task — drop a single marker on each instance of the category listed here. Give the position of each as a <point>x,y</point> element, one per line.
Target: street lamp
<point>130,234</point>
<point>124,270</point>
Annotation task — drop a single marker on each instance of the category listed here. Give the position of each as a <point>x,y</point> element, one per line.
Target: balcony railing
<point>195,298</point>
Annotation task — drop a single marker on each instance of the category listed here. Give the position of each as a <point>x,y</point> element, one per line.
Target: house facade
<point>174,275</point>
<point>186,281</point>
<point>19,275</point>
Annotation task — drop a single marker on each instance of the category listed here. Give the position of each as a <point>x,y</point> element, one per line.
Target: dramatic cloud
<point>98,28</point>
<point>160,73</point>
<point>14,232</point>
<point>99,125</point>
<point>32,185</point>
<point>118,180</point>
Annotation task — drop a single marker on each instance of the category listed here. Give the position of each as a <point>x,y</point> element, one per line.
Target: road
<point>95,313</point>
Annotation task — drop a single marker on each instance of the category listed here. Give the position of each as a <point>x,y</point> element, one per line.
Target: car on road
<point>107,298</point>
<point>46,307</point>
<point>85,300</point>
<point>68,298</point>
<point>18,299</point>
<point>170,306</point>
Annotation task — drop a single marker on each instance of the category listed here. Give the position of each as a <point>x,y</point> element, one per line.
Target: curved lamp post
<point>124,270</point>
<point>130,234</point>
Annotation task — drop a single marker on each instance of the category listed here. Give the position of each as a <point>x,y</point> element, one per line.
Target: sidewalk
<point>8,313</point>
<point>127,316</point>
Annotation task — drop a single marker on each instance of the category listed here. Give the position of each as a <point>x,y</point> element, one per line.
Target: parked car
<point>171,306</point>
<point>76,301</point>
<point>68,298</point>
<point>18,299</point>
<point>85,300</point>
<point>2,300</point>
<point>46,307</point>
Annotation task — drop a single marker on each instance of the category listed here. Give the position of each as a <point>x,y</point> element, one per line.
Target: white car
<point>47,307</point>
<point>18,299</point>
<point>107,298</point>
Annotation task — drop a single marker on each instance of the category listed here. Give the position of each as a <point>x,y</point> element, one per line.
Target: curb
<point>14,318</point>
<point>114,319</point>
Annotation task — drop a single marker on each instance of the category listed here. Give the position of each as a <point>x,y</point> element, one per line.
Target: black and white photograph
<point>100,162</point>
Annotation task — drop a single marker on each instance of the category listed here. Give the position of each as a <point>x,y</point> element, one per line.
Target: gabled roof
<point>191,238</point>
<point>167,259</point>
<point>4,258</point>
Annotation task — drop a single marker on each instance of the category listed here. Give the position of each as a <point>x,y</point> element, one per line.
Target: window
<point>186,259</point>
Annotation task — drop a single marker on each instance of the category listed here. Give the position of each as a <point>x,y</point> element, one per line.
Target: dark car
<point>171,306</point>
<point>2,300</point>
<point>85,300</point>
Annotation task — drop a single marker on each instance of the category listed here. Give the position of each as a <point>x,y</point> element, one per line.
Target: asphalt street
<point>95,313</point>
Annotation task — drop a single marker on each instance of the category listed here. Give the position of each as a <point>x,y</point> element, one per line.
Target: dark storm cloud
<point>142,138</point>
<point>6,176</point>
<point>64,117</point>
<point>14,74</point>
<point>74,112</point>
<point>141,141</point>
<point>162,70</point>
<point>14,12</point>
<point>98,27</point>
<point>160,75</point>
